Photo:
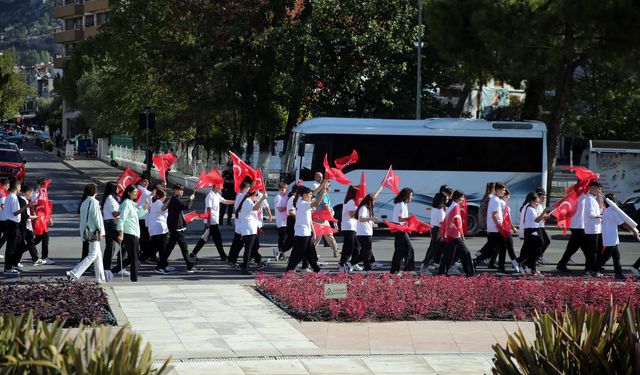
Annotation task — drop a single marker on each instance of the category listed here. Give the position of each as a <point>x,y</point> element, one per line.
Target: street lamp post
<point>419,69</point>
<point>147,122</point>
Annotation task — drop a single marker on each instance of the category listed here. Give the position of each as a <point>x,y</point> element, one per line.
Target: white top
<point>212,203</point>
<point>577,220</point>
<point>248,219</point>
<point>592,224</point>
<point>348,223</point>
<point>530,216</point>
<point>35,195</point>
<point>364,228</point>
<point>315,185</point>
<point>521,227</point>
<point>236,204</point>
<point>400,210</point>
<point>157,219</point>
<point>494,206</point>
<point>146,196</point>
<point>290,205</point>
<point>539,211</point>
<point>110,205</point>
<point>11,205</point>
<point>437,216</point>
<point>303,224</point>
<point>29,225</point>
<point>280,201</point>
<point>610,222</point>
<point>265,204</point>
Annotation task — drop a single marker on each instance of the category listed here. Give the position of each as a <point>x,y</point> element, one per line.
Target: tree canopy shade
<point>540,43</point>
<point>13,88</point>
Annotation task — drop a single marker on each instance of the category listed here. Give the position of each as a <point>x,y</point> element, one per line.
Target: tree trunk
<point>264,157</point>
<point>564,85</point>
<point>533,99</point>
<point>466,90</point>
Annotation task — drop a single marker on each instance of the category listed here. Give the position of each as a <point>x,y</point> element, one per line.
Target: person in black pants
<point>454,246</point>
<point>228,193</point>
<point>4,191</point>
<point>25,239</point>
<point>303,244</point>
<point>403,249</point>
<point>11,213</point>
<point>110,214</point>
<point>496,244</point>
<point>593,229</point>
<point>438,206</point>
<point>213,202</point>
<point>177,227</point>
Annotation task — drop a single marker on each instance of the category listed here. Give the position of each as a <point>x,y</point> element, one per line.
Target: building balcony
<point>94,6</point>
<point>58,61</point>
<point>68,36</point>
<point>68,10</point>
<point>90,31</point>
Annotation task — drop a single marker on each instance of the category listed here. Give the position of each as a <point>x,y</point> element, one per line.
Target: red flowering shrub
<point>391,297</point>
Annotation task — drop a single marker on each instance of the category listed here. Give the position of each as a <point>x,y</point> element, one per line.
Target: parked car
<point>15,138</point>
<point>42,137</point>
<point>12,164</point>
<point>631,207</point>
<point>4,145</point>
<point>32,135</point>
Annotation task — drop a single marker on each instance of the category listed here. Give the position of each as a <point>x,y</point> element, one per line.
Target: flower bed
<point>388,297</point>
<point>73,302</point>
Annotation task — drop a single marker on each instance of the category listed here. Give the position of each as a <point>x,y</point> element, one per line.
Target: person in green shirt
<point>129,231</point>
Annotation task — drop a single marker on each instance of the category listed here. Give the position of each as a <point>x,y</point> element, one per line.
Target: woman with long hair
<point>129,232</point>
<point>438,207</point>
<point>329,239</point>
<point>90,223</point>
<point>157,224</point>
<point>303,247</point>
<point>532,239</point>
<point>110,213</point>
<point>364,229</point>
<point>453,235</point>
<point>403,249</point>
<point>348,223</point>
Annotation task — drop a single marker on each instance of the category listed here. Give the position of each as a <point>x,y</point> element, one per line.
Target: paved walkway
<point>231,329</point>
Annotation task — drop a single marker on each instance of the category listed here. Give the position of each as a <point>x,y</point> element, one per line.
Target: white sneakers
<point>108,275</point>
<point>634,271</point>
<point>516,266</point>
<point>376,265</point>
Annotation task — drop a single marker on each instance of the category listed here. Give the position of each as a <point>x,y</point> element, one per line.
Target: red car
<point>12,164</point>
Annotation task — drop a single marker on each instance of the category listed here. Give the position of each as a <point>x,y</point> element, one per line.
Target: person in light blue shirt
<point>91,218</point>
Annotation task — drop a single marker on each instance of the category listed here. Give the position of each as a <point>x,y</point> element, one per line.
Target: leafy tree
<point>13,88</point>
<point>539,42</point>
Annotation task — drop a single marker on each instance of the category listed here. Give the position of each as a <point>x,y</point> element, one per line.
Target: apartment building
<point>81,20</point>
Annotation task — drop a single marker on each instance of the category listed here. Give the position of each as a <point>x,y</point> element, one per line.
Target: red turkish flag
<point>323,214</point>
<point>565,208</point>
<point>215,177</point>
<point>584,176</point>
<point>241,170</point>
<point>391,181</point>
<point>418,226</point>
<point>346,160</point>
<point>43,211</point>
<point>321,230</point>
<point>452,224</point>
<point>334,173</point>
<point>163,163</point>
<point>258,182</point>
<point>464,214</point>
<point>395,227</point>
<point>193,215</point>
<point>505,226</point>
<point>128,177</point>
<point>361,191</point>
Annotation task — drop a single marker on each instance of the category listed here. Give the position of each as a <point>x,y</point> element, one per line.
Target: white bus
<point>463,154</point>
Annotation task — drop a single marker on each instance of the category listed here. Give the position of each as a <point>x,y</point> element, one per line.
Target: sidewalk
<point>231,329</point>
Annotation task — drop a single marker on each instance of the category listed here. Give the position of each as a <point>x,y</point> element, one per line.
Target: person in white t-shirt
<point>157,225</point>
<point>280,206</point>
<point>236,243</point>
<point>291,222</point>
<point>532,241</point>
<point>402,247</point>
<point>4,191</point>
<point>212,203</point>
<point>576,239</point>
<point>110,213</point>
<point>303,247</point>
<point>438,213</point>
<point>145,194</point>
<point>593,228</point>
<point>247,216</point>
<point>364,228</point>
<point>11,212</point>
<point>610,240</point>
<point>350,247</point>
<point>542,208</point>
<point>495,241</point>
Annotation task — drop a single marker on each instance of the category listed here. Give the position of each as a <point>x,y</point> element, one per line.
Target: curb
<point>80,171</point>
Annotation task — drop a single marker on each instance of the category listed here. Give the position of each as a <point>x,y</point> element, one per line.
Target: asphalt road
<point>65,246</point>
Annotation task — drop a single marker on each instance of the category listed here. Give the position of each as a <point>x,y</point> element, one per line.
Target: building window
<point>69,2</point>
<point>73,23</point>
<point>88,20</point>
<point>102,18</point>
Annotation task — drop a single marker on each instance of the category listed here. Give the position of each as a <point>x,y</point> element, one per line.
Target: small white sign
<point>335,291</point>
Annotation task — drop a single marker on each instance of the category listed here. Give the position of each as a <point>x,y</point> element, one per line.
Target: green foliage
<point>575,342</point>
<point>33,347</point>
<point>13,88</point>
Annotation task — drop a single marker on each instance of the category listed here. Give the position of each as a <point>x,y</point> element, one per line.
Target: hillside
<point>26,30</point>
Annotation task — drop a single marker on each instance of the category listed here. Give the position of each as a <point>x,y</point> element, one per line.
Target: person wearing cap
<point>177,226</point>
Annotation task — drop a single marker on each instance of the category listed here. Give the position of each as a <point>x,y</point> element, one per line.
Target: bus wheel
<point>473,221</point>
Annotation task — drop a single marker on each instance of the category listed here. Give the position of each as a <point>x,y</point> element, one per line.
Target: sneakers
<point>598,274</point>
<point>12,272</point>
<point>276,253</point>
<point>342,268</point>
<point>264,264</point>
<point>454,272</point>
<point>425,271</point>
<point>108,275</point>
<point>588,274</point>
<point>571,261</point>
<point>161,271</point>
<point>305,270</point>
<point>20,265</point>
<point>541,260</point>
<point>321,263</point>
<point>376,265</point>
<point>634,271</point>
<point>48,261</point>
<point>71,276</point>
<point>516,266</point>
<point>232,265</point>
<point>169,268</point>
<point>193,258</point>
<point>357,267</point>
<point>348,267</point>
<point>123,273</point>
<point>195,270</point>
<point>39,262</point>
<point>562,268</point>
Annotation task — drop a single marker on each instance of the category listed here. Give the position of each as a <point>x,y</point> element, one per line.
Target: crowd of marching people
<point>141,223</point>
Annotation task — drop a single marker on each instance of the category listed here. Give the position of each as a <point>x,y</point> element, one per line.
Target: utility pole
<point>419,70</point>
<point>147,122</point>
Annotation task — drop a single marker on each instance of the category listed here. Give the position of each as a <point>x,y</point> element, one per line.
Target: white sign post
<point>335,291</point>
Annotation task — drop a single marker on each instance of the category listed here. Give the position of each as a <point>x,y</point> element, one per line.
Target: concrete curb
<point>80,171</point>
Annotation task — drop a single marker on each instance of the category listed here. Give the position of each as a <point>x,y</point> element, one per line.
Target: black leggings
<point>434,252</point>
<point>131,246</point>
<point>612,252</point>
<point>366,252</point>
<point>576,241</point>
<point>175,237</point>
<point>290,234</point>
<point>348,245</point>
<point>531,248</point>
<point>282,237</point>
<point>456,248</point>
<point>212,232</point>
<point>303,248</point>
<point>44,238</point>
<point>111,244</point>
<point>403,249</point>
